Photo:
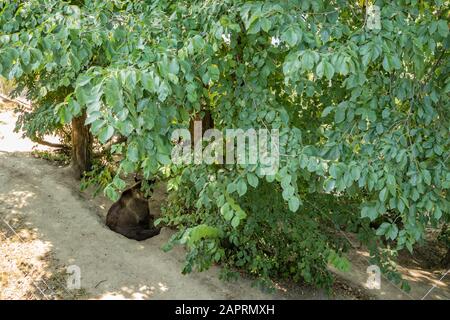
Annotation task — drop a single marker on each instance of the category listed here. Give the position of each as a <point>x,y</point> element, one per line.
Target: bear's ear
<point>136,191</point>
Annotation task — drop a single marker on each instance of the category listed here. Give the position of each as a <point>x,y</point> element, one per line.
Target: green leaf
<point>400,205</point>
<point>92,117</point>
<point>64,114</point>
<point>426,176</point>
<point>294,203</point>
<point>386,64</point>
<point>329,185</point>
<point>231,187</point>
<point>74,107</point>
<point>227,212</point>
<point>438,149</point>
<point>383,194</point>
<point>291,36</point>
<point>369,212</point>
<point>334,171</point>
<point>163,91</point>
<point>266,24</point>
<point>409,247</point>
<point>164,159</point>
<point>83,80</point>
<point>252,179</point>
<point>391,184</point>
<point>392,232</point>
<point>125,128</point>
<point>213,72</point>
<point>437,213</point>
<point>307,60</point>
<point>198,42</point>
<point>113,93</point>
<point>111,193</point>
<point>148,82</point>
<point>270,116</point>
<point>97,125</point>
<point>328,70</point>
<point>105,134</point>
<point>339,115</point>
<point>287,193</point>
<point>235,222</point>
<point>390,180</point>
<point>119,183</point>
<point>174,67</point>
<point>241,187</point>
<point>202,231</point>
<point>383,229</point>
<point>356,173</point>
<point>133,153</point>
<point>286,181</point>
<point>320,69</point>
<point>327,111</point>
<point>442,27</point>
<point>339,262</point>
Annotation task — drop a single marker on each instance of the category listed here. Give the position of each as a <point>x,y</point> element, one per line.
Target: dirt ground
<point>47,225</point>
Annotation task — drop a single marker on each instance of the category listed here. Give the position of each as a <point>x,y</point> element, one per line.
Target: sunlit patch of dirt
<point>430,277</point>
<point>135,293</point>
<point>424,267</point>
<point>22,267</point>
<point>25,266</point>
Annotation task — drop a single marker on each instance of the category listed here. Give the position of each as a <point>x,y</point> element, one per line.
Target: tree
<point>361,114</point>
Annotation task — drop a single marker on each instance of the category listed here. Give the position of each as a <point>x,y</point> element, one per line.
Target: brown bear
<point>130,215</point>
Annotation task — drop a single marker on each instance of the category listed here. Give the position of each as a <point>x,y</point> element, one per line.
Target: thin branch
<point>50,144</point>
<point>108,146</point>
<point>434,67</point>
<point>25,104</point>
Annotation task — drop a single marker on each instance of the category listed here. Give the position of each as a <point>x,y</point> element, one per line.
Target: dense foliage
<point>361,112</point>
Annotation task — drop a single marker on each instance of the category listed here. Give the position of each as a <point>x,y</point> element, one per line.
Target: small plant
<point>99,178</point>
<point>59,157</point>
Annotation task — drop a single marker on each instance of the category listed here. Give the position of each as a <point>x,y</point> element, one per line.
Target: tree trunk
<point>207,123</point>
<point>81,147</point>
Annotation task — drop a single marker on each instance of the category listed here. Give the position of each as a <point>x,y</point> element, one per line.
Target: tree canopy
<point>362,116</point>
